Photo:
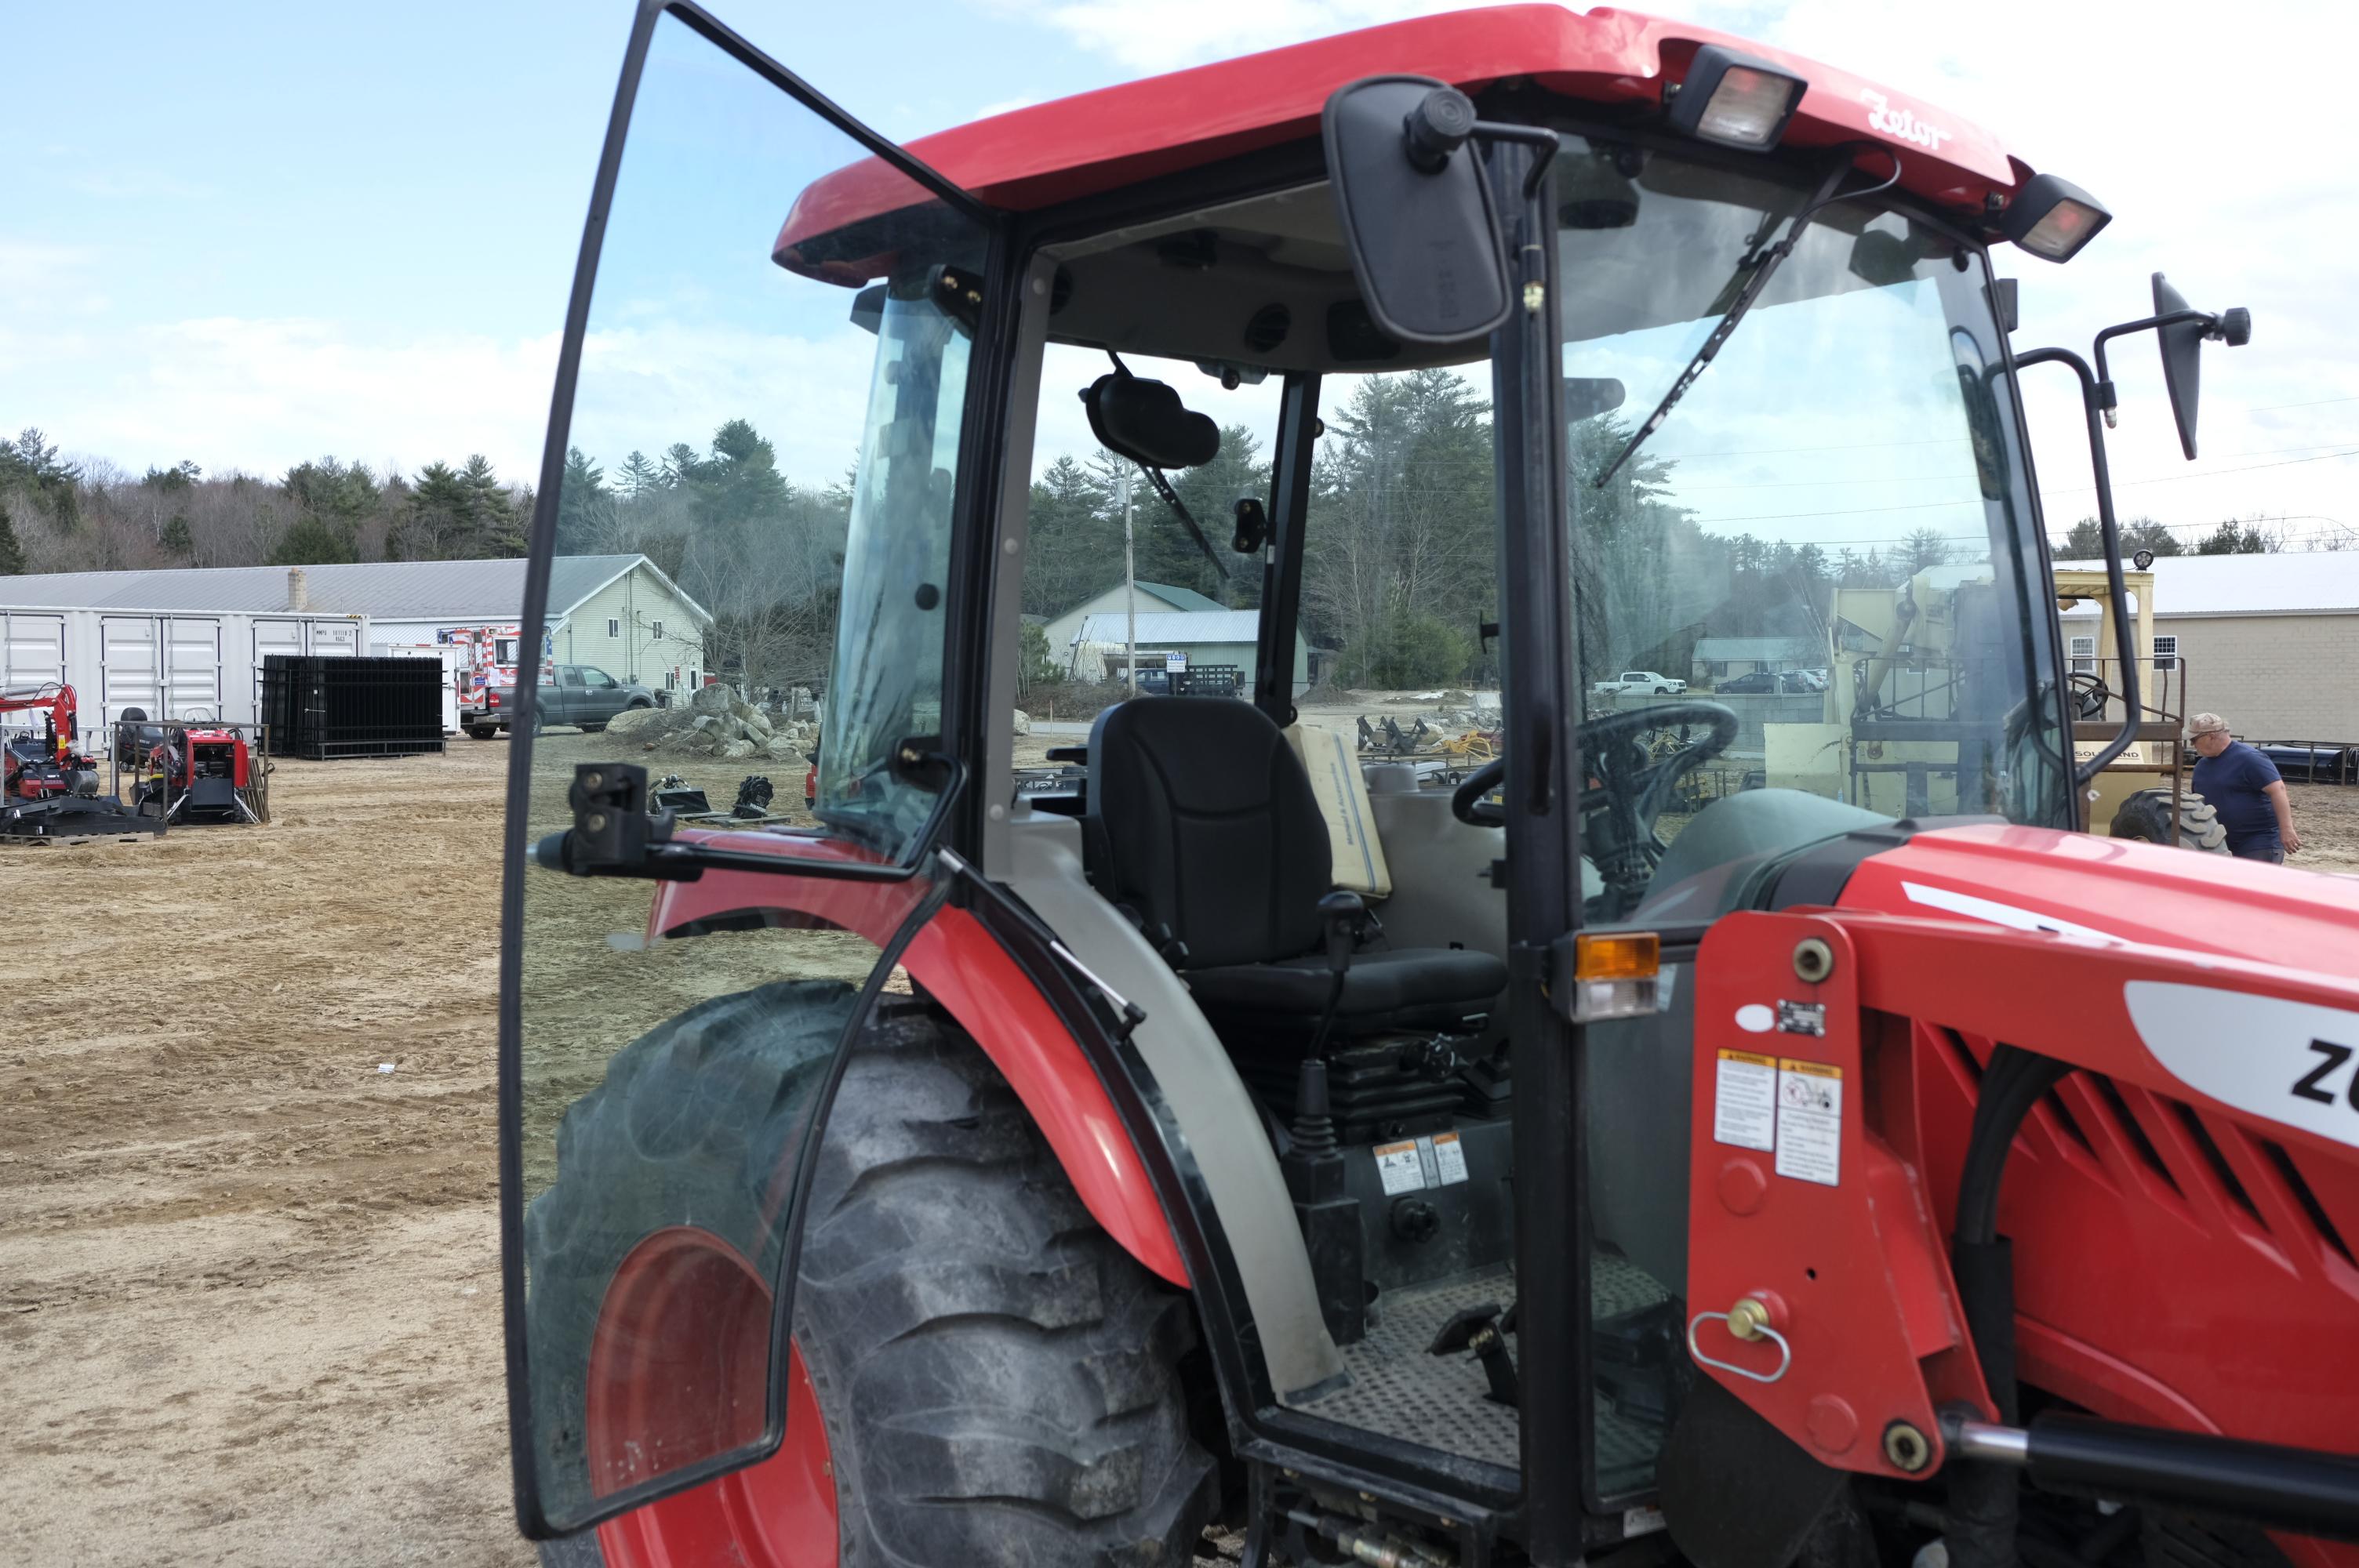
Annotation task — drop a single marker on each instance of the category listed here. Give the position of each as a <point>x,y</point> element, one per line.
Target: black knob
<point>1439,127</point>
<point>1413,1219</point>
<point>2235,327</point>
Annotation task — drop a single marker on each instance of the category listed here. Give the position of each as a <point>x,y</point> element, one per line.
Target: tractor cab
<point>1244,1132</point>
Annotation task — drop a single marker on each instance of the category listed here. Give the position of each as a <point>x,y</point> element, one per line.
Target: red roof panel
<point>1077,146</point>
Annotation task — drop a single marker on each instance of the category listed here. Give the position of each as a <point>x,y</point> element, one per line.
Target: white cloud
<point>264,394</point>
<point>2249,208</point>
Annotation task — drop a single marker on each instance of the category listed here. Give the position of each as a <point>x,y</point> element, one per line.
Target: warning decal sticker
<point>1744,1100</point>
<point>1809,1121</point>
<point>1400,1168</point>
<point>1450,1157</point>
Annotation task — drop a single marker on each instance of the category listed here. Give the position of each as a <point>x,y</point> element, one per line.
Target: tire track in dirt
<point>249,1284</point>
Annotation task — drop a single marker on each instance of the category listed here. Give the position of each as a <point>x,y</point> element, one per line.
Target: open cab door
<point>767,292</point>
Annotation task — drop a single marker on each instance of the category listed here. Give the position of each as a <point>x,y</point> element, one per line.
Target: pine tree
<point>638,476</point>
<point>495,526</point>
<point>2231,538</point>
<point>1924,547</point>
<point>312,540</point>
<point>32,460</point>
<point>740,481</point>
<point>585,507</point>
<point>1074,549</point>
<point>12,554</point>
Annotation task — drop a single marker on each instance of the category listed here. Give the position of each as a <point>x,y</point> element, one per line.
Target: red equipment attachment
<point>45,769</point>
<point>1839,1055</point>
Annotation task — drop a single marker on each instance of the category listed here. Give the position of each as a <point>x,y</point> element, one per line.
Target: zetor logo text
<point>1900,123</point>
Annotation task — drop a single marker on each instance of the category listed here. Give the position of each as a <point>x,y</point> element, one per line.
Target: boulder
<point>1023,722</point>
<point>757,726</point>
<point>631,720</point>
<point>784,749</point>
<point>711,699</point>
<point>700,741</point>
<point>732,749</point>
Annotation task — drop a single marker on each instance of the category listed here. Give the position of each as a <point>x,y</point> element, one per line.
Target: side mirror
<point>1415,210</point>
<point>2182,342</point>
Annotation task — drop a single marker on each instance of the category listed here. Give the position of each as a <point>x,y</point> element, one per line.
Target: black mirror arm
<point>2106,401</point>
<point>1549,142</point>
<point>1156,476</point>
<point>2124,632</point>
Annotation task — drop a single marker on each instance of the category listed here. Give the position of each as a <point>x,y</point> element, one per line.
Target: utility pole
<point>1129,588</point>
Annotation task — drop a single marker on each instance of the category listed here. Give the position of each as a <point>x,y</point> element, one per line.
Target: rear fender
<point>964,967</point>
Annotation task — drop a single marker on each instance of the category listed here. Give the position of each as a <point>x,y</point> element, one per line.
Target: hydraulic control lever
<point>1345,914</point>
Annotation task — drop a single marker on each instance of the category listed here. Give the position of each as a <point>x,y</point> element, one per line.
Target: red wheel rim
<point>677,1376</point>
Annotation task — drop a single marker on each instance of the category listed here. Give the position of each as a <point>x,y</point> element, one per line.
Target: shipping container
<point>168,665</point>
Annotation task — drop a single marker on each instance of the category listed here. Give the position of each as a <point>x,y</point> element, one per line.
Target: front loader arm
<point>1820,1183</point>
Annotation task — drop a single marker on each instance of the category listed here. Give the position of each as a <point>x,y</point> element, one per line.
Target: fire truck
<point>486,676</point>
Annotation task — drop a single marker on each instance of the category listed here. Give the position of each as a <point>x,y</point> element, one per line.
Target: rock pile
<point>715,724</point>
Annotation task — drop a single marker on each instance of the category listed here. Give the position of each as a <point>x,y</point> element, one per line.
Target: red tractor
<point>1735,1128</point>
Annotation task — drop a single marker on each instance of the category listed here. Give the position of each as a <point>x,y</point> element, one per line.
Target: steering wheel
<point>1632,786</point>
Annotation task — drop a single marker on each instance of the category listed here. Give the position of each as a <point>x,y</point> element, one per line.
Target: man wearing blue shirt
<point>2244,788</point>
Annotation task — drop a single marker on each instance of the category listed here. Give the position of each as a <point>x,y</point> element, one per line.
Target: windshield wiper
<point>1762,263</point>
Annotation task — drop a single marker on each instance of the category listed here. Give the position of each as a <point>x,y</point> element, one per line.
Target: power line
<point>2313,403</point>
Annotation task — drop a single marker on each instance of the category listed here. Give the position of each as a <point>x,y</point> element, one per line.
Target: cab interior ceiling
<point>1266,282</point>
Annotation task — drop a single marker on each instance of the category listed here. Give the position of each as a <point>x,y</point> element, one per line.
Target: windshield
<point>1827,539</point>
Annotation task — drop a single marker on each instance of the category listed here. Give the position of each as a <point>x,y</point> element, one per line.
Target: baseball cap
<point>2207,724</point>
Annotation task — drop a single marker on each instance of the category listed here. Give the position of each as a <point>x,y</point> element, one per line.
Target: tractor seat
<point>1201,824</point>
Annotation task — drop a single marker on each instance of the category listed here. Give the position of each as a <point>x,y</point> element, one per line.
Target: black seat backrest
<point>1200,818</point>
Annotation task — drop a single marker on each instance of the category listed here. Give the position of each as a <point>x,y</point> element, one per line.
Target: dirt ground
<point>249,1282</point>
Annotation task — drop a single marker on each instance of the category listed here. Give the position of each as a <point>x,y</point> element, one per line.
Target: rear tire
<point>998,1378</point>
<point>2146,816</point>
<point>481,731</point>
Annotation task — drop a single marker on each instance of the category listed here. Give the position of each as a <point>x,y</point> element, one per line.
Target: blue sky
<point>250,233</point>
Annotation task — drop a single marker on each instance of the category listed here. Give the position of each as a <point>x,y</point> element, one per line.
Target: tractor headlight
<point>2053,218</point>
<point>1735,100</point>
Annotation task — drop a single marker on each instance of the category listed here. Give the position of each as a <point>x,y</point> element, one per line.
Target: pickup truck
<point>1645,681</point>
<point>581,694</point>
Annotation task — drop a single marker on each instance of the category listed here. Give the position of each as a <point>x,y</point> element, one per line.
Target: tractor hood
<point>2090,888</point>
<point>1079,147</point>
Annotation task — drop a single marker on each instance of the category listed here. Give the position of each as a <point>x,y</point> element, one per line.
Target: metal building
<point>189,643</point>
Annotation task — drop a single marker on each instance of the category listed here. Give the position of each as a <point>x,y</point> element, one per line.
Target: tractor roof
<point>1078,146</point>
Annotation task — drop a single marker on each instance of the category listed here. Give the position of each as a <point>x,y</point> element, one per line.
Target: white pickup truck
<point>1639,681</point>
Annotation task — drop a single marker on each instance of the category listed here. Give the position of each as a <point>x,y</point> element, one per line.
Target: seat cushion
<point>1384,989</point>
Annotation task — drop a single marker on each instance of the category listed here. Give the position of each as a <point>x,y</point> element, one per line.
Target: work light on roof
<point>1734,100</point>
<point>2053,218</point>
